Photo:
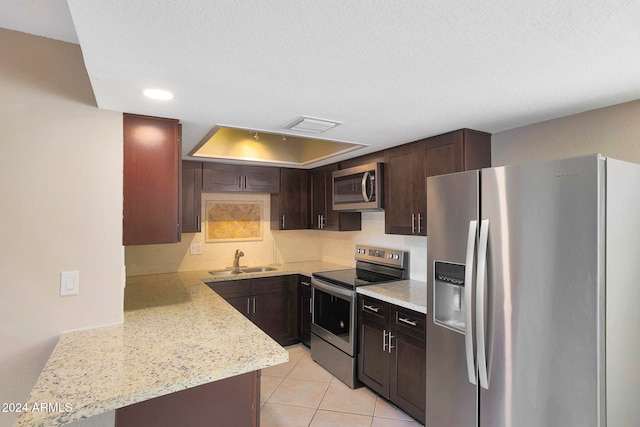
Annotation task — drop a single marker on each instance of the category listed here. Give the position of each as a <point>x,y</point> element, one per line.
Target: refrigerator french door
<point>515,279</point>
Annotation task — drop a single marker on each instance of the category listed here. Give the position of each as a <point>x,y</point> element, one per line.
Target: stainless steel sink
<point>243,270</point>
<point>257,269</point>
<point>221,273</point>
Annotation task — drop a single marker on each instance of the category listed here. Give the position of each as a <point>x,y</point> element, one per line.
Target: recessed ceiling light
<point>159,94</point>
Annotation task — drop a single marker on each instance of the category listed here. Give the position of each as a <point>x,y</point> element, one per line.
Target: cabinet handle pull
<point>390,338</point>
<point>322,222</point>
<point>283,221</point>
<point>407,321</point>
<point>419,222</point>
<point>307,284</point>
<point>245,182</point>
<point>371,308</point>
<point>254,305</point>
<point>248,312</point>
<point>240,182</point>
<point>384,340</point>
<point>413,224</point>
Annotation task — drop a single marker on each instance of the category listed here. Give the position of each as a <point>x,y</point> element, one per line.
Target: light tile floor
<point>302,393</point>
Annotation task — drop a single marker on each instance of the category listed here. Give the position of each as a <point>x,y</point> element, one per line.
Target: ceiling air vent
<point>312,125</point>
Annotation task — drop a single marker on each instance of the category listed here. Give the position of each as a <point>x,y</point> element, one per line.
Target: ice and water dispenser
<point>448,295</point>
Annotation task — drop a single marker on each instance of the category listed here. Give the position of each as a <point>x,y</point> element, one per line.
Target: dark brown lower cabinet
<point>230,402</point>
<point>276,314</point>
<point>270,302</point>
<point>392,354</point>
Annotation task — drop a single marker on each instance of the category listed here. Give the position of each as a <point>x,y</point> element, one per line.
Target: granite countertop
<point>411,294</point>
<point>176,334</point>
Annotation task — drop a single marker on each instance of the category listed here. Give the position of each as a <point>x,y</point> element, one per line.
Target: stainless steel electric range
<point>334,307</point>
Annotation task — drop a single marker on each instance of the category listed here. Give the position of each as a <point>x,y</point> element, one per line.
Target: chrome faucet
<point>236,261</point>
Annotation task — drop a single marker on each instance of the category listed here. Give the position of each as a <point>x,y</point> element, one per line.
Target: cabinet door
<point>373,356</point>
<point>400,191</point>
<point>290,207</point>
<point>323,217</point>
<point>261,179</point>
<point>438,155</point>
<point>191,196</point>
<point>407,387</point>
<point>151,202</point>
<point>235,292</point>
<point>457,151</point>
<point>274,307</point>
<point>218,177</point>
<point>242,304</point>
<point>337,220</point>
<point>276,314</point>
<point>319,196</point>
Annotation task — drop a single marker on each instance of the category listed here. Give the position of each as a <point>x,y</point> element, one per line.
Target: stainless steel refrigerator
<point>534,295</point>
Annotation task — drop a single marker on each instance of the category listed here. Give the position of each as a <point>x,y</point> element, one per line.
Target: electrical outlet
<point>196,249</point>
<point>69,283</point>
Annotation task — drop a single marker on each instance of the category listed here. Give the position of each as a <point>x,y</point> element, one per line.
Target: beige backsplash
<point>276,246</point>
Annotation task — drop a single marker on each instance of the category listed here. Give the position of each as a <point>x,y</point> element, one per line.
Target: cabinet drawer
<point>232,288</point>
<point>373,309</point>
<point>409,322</point>
<point>267,285</point>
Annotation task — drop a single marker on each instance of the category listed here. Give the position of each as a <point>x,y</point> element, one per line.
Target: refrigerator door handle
<point>468,294</point>
<point>480,292</point>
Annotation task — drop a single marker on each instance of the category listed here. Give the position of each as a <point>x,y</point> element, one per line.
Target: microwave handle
<point>367,177</point>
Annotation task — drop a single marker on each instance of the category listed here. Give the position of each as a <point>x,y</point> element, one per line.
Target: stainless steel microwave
<point>358,188</point>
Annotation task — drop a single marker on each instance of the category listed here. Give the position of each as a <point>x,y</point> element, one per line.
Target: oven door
<point>333,315</point>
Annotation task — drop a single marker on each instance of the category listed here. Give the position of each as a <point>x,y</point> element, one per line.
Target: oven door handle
<point>331,289</point>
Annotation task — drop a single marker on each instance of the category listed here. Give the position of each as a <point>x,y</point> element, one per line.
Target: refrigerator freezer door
<point>543,294</point>
<point>451,206</point>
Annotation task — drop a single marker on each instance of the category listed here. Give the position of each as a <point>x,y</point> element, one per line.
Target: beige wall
<point>276,246</point>
<point>613,131</point>
<point>61,187</point>
<point>150,259</point>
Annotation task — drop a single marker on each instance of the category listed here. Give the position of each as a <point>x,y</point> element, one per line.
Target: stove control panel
<point>393,257</point>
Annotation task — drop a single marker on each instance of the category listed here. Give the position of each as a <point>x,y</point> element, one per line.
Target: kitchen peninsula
<point>177,334</point>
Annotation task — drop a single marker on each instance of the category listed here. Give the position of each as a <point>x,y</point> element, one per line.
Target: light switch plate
<point>69,283</point>
<point>196,249</point>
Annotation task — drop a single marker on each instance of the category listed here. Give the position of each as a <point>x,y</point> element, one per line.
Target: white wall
<point>61,188</point>
<point>612,131</point>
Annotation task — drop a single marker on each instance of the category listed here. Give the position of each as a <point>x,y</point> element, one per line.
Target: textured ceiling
<point>391,72</point>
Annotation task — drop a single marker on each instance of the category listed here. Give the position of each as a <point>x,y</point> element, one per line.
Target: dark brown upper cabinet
<point>323,217</point>
<point>151,181</point>
<point>290,207</point>
<point>191,196</point>
<point>222,177</point>
<point>408,166</point>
